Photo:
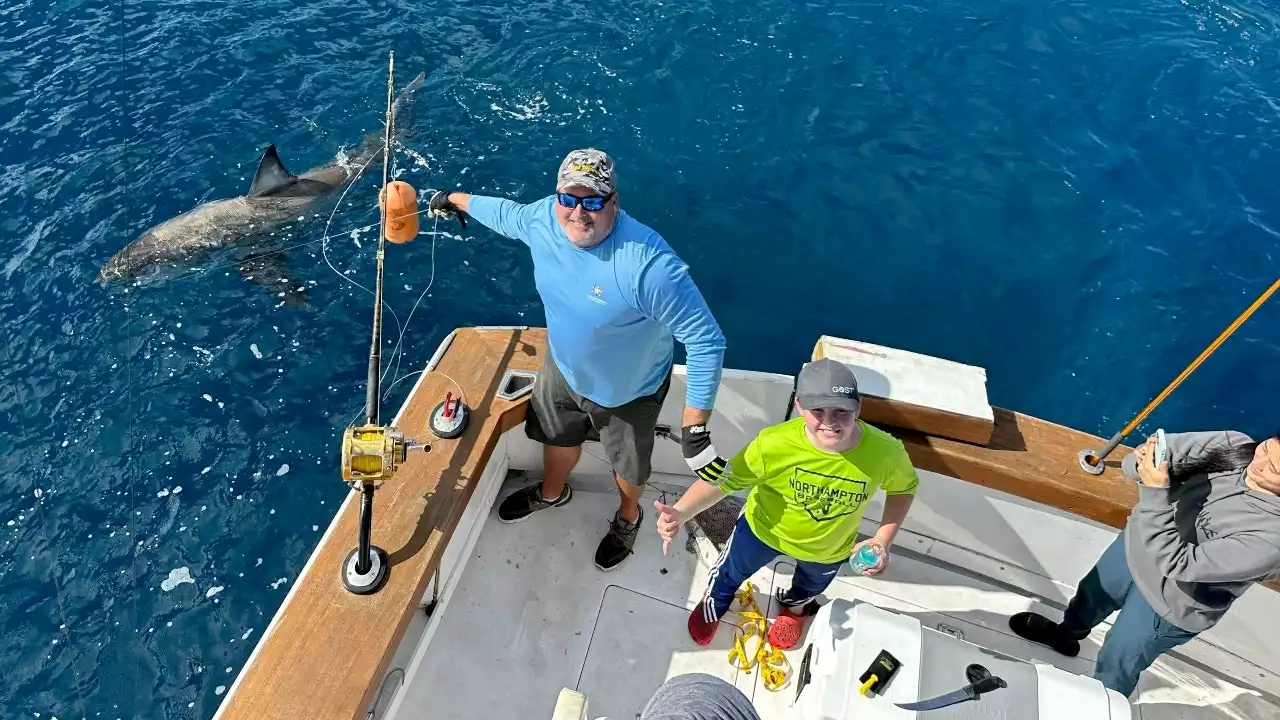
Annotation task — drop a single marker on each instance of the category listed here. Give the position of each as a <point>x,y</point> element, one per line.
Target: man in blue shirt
<point>616,297</point>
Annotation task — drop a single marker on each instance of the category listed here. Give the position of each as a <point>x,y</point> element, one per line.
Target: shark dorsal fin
<point>272,175</point>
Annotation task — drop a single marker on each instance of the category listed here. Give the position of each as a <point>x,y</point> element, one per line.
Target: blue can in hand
<point>867,557</point>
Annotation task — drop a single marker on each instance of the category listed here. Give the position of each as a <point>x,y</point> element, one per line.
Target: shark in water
<point>243,224</point>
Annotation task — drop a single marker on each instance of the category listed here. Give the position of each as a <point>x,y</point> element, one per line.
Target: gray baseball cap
<point>827,383</point>
<point>588,168</point>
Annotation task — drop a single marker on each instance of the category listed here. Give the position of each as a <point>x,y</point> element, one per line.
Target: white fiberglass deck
<point>532,615</point>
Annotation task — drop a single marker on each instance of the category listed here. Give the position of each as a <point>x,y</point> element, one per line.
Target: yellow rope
<point>774,666</point>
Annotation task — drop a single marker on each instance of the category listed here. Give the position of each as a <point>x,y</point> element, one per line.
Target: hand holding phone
<point>1162,450</point>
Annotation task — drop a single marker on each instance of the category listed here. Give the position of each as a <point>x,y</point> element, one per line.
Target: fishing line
<point>461,394</point>
<point>324,249</point>
<point>402,377</point>
<point>430,282</point>
<point>44,536</point>
<point>324,239</point>
<point>396,355</point>
<point>387,393</point>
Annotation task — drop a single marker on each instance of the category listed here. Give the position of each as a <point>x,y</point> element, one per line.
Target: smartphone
<point>1162,449</point>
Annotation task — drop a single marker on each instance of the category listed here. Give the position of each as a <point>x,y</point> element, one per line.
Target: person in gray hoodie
<point>1206,527</point>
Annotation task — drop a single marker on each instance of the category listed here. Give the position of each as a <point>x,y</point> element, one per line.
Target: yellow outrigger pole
<point>1091,460</point>
<point>372,452</point>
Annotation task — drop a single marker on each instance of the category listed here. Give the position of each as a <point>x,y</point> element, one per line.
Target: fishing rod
<point>1091,460</point>
<point>372,452</point>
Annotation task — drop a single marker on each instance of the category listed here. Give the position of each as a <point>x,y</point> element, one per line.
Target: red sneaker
<point>702,631</point>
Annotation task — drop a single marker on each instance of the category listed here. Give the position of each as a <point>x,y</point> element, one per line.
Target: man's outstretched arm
<point>505,217</point>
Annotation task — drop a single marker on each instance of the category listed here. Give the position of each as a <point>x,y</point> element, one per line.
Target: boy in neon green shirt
<point>810,480</point>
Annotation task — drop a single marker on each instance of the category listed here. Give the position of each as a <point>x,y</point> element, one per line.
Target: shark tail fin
<point>407,92</point>
<point>401,109</point>
<point>271,176</point>
<point>414,84</point>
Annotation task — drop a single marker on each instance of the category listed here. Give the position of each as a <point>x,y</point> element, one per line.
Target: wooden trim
<point>1033,459</point>
<point>330,649</point>
<point>908,416</point>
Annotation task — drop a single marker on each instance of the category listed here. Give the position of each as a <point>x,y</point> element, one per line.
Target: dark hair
<point>1217,460</point>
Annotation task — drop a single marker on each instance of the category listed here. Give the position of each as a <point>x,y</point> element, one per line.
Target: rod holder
<point>1092,462</point>
<point>366,568</point>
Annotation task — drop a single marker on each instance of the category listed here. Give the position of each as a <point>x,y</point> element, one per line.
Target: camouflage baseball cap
<point>588,168</point>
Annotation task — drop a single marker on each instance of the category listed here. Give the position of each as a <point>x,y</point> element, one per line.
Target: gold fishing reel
<point>371,454</point>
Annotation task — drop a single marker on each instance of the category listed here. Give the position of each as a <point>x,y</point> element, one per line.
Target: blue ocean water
<point>1076,197</point>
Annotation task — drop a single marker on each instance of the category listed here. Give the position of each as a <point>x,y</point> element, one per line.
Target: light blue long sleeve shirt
<point>614,309</point>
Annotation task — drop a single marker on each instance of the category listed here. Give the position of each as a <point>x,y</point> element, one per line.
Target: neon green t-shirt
<point>807,502</point>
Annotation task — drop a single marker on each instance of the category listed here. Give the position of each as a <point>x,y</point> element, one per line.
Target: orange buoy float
<point>402,211</point>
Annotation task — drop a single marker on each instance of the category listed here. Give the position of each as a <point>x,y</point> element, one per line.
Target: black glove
<point>695,442</point>
<point>440,207</point>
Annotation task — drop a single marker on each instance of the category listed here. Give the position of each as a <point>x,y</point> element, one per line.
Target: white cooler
<point>847,637</point>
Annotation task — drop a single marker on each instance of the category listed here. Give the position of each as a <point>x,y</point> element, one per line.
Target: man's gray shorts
<point>559,416</point>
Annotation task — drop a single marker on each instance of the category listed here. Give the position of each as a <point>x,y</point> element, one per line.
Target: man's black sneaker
<point>616,546</point>
<point>1043,631</point>
<point>523,503</point>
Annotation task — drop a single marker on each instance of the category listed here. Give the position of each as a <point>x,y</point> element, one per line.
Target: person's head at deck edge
<point>1263,470</point>
<point>827,397</point>
<point>586,197</point>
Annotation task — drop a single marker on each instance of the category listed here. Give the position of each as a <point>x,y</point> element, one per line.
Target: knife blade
<point>985,682</point>
<point>803,677</point>
<point>964,694</point>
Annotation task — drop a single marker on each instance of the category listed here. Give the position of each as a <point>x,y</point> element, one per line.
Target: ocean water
<point>1075,196</point>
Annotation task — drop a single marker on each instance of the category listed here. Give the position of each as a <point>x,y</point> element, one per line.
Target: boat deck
<point>327,653</point>
<point>532,615</point>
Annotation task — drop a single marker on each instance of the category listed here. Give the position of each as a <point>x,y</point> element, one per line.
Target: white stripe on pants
<point>708,605</point>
